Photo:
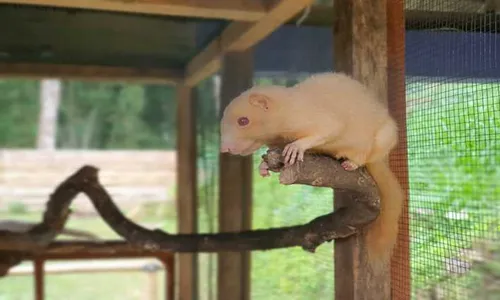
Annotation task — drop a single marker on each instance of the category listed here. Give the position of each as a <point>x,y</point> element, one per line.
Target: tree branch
<point>315,170</point>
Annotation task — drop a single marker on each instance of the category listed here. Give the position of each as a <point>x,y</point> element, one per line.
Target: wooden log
<point>360,47</point>
<point>187,198</point>
<point>235,185</point>
<point>400,265</point>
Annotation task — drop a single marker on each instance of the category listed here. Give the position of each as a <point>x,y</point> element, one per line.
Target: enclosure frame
<point>78,252</point>
<point>237,39</point>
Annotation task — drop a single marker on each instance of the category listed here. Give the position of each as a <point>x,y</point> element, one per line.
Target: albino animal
<point>328,113</point>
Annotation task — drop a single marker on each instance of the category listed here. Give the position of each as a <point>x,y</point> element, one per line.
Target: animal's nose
<point>225,147</point>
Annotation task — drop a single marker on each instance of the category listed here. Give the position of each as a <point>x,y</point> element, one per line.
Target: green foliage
<point>454,165</point>
<point>92,115</point>
<point>116,116</point>
<point>159,114</point>
<point>290,273</point>
<point>17,208</point>
<point>19,108</point>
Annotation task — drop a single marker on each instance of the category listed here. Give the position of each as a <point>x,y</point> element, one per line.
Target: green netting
<point>453,129</point>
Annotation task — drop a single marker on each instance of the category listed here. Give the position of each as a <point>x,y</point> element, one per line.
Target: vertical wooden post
<point>360,49</point>
<point>235,186</point>
<point>400,267</point>
<point>170,273</point>
<point>39,278</point>
<point>168,262</point>
<point>187,198</point>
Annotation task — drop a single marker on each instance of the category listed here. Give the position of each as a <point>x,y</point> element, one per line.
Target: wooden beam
<point>187,198</point>
<point>235,185</point>
<point>400,266</point>
<point>239,37</point>
<point>79,249</point>
<point>460,18</point>
<point>242,10</point>
<point>360,49</point>
<point>89,73</point>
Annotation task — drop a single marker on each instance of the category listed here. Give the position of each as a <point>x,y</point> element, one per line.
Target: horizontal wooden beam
<point>90,73</point>
<point>242,10</point>
<point>91,250</point>
<point>240,36</point>
<point>461,18</point>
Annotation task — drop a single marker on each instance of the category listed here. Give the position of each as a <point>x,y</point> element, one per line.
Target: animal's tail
<point>381,234</point>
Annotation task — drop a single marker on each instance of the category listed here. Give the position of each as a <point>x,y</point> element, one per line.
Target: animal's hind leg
<point>385,140</point>
<point>264,169</point>
<point>352,160</point>
<point>349,165</point>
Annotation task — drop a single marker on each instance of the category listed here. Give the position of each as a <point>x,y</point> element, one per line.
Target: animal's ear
<point>259,100</point>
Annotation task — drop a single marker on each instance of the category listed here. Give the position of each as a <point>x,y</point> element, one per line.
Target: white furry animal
<point>328,113</point>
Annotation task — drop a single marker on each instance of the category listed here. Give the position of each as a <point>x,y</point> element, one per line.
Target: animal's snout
<point>225,147</point>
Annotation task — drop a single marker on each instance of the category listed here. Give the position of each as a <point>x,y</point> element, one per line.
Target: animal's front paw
<point>349,165</point>
<point>264,169</point>
<point>293,152</point>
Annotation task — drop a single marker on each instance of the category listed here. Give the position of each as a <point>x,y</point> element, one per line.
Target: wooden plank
<point>39,279</point>
<point>242,10</point>
<point>360,47</point>
<point>89,73</point>
<point>187,198</point>
<point>87,267</point>
<point>239,37</point>
<point>400,265</point>
<point>106,249</point>
<point>235,184</point>
<point>432,17</point>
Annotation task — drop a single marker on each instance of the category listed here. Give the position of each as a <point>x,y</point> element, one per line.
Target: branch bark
<point>315,170</point>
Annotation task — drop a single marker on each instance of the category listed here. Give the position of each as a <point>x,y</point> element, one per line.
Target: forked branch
<point>320,171</point>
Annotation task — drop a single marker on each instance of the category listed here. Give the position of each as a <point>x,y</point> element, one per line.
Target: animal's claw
<point>292,153</point>
<point>349,165</point>
<point>264,169</point>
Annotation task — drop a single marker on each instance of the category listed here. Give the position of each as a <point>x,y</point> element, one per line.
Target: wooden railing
<point>108,250</point>
<point>130,176</point>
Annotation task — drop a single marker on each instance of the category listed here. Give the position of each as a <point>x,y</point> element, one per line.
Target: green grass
<point>454,168</point>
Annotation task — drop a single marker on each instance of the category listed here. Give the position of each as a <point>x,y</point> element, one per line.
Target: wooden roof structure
<point>164,41</point>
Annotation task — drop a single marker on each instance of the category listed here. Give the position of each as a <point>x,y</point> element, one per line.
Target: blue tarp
<point>428,53</point>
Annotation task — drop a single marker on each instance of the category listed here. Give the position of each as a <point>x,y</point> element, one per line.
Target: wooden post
<point>400,267</point>
<point>360,49</point>
<point>169,263</point>
<point>39,279</point>
<point>187,198</point>
<point>235,186</point>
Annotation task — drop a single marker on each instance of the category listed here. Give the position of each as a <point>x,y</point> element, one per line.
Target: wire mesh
<point>453,131</point>
<point>289,273</point>
<point>207,114</point>
<point>274,274</point>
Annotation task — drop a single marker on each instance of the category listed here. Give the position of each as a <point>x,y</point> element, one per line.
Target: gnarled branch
<point>315,170</point>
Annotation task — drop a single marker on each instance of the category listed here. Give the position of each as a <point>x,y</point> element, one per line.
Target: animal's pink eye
<point>243,121</point>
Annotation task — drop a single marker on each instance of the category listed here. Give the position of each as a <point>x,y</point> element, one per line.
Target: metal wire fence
<point>453,130</point>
